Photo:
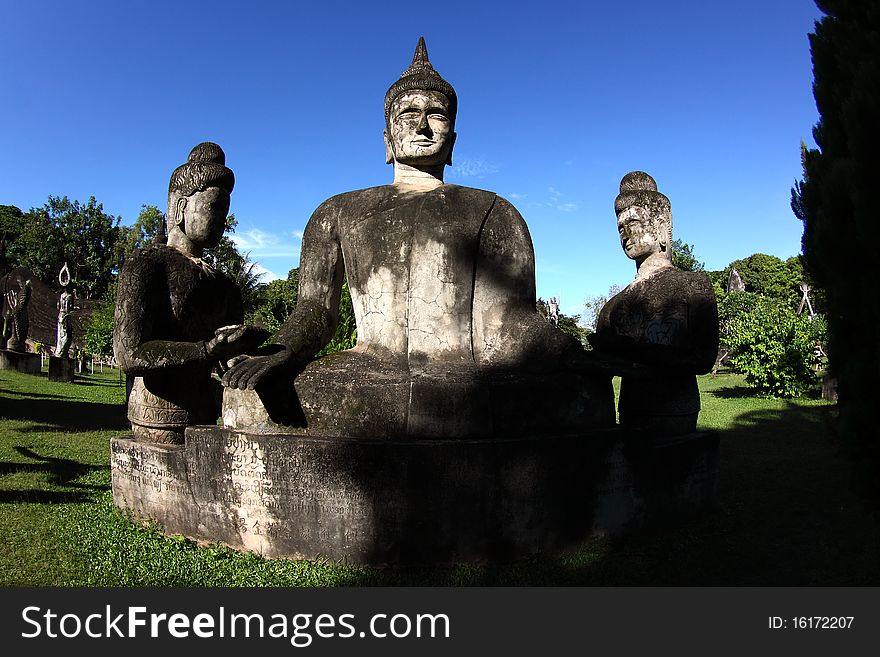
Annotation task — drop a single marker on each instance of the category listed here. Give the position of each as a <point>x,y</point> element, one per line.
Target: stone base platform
<point>414,502</point>
<point>20,362</point>
<point>61,369</point>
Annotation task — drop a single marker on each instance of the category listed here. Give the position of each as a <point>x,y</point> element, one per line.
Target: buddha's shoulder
<point>358,198</point>
<point>383,193</point>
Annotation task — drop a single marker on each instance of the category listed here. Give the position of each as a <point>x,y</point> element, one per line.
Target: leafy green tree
<point>771,276</point>
<point>683,257</point>
<point>770,345</point>
<point>80,234</point>
<point>837,202</point>
<point>593,306</point>
<point>346,331</point>
<point>98,337</point>
<point>149,223</point>
<point>569,324</point>
<point>276,301</point>
<point>10,228</point>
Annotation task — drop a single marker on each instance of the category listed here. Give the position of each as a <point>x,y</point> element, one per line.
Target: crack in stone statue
<point>665,319</point>
<point>177,318</point>
<point>442,280</point>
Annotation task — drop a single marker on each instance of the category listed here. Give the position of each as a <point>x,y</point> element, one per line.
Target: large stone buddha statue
<point>442,279</point>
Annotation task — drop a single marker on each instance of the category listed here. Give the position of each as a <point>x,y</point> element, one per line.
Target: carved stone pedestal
<point>20,362</point>
<point>61,369</point>
<point>409,502</point>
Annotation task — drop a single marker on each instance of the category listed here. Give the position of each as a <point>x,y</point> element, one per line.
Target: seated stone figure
<point>176,317</point>
<point>442,279</point>
<point>666,319</point>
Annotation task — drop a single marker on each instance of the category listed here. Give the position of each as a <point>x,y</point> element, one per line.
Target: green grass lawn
<point>785,515</point>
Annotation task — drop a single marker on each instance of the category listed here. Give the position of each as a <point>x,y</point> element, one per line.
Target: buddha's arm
<point>133,344</point>
<point>312,324</point>
<point>506,325</point>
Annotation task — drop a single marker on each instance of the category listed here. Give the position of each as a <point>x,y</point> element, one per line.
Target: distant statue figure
<point>553,311</point>
<point>666,318</point>
<point>65,305</point>
<point>177,318</point>
<point>735,282</point>
<point>442,280</point>
<point>16,322</point>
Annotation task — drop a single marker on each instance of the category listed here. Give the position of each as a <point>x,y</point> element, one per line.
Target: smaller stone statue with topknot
<point>666,319</point>
<point>177,318</point>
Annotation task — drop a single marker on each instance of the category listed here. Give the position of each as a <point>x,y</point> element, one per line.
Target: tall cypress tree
<point>839,203</point>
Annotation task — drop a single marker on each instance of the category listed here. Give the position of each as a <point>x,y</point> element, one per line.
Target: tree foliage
<point>276,301</point>
<point>149,223</point>
<point>569,324</point>
<point>837,202</point>
<point>80,234</point>
<point>683,257</point>
<point>593,306</point>
<point>346,331</point>
<point>10,227</point>
<point>771,276</point>
<point>98,336</point>
<point>770,345</point>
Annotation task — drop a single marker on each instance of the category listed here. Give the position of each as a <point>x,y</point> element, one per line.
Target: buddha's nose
<point>423,124</point>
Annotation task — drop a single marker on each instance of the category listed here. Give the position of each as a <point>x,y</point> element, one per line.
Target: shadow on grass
<point>785,516</point>
<point>54,414</point>
<point>102,384</point>
<point>731,392</point>
<point>59,472</point>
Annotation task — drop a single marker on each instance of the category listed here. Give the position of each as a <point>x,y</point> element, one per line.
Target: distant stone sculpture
<point>65,305</point>
<point>16,320</point>
<point>176,317</point>
<point>553,311</point>
<point>666,318</point>
<point>442,280</point>
<point>735,282</point>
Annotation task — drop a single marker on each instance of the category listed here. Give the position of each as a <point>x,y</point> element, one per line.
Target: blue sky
<point>557,101</point>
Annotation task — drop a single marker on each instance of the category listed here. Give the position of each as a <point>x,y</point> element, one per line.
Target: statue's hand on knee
<point>235,340</point>
<point>245,372</point>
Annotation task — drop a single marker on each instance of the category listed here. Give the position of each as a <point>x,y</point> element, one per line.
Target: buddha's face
<point>420,129</point>
<point>203,216</point>
<point>638,233</point>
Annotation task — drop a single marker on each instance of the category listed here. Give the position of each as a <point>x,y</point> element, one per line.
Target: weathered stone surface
<point>177,318</point>
<point>666,319</point>
<point>61,369</point>
<point>20,362</point>
<point>338,395</point>
<point>366,501</point>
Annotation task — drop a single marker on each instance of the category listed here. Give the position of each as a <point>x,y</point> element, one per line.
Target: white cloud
<point>567,207</point>
<point>254,239</point>
<point>266,274</point>
<point>298,234</point>
<point>262,244</point>
<point>517,197</point>
<point>470,167</point>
